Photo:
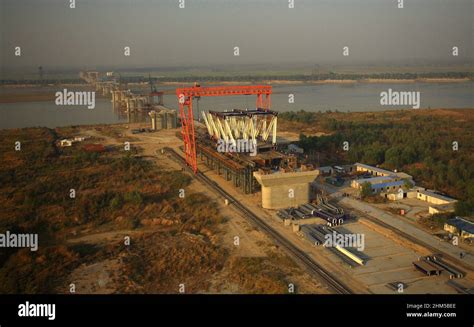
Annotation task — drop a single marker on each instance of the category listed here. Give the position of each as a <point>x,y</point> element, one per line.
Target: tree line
<point>422,146</point>
<point>253,78</point>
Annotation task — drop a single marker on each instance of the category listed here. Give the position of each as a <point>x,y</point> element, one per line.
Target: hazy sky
<point>206,31</point>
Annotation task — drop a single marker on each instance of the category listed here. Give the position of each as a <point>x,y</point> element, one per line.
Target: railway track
<point>313,267</point>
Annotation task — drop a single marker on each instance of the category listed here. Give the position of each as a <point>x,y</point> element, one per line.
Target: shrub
<point>116,202</point>
<point>133,197</point>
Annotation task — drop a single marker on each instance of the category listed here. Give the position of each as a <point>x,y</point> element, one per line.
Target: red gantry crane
<point>185,100</point>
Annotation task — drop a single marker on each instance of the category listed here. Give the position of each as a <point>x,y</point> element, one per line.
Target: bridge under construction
<point>260,166</point>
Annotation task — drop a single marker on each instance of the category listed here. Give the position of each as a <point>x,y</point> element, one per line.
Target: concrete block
<point>282,190</point>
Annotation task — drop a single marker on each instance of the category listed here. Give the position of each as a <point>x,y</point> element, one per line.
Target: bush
<point>366,190</point>
<point>116,202</point>
<point>133,197</point>
<point>464,208</point>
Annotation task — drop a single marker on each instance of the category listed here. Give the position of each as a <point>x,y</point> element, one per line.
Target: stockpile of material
<point>321,235</point>
<point>333,215</point>
<point>435,265</point>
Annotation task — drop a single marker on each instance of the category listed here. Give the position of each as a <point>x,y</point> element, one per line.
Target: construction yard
<point>389,257</point>
<point>390,261</point>
<point>254,252</point>
<point>394,242</point>
<point>224,205</point>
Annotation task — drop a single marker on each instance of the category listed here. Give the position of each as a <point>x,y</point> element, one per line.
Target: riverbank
<point>331,81</point>
<point>412,141</point>
<point>34,93</point>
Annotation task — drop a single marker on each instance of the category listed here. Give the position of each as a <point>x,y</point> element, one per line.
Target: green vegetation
<point>419,142</point>
<point>436,221</point>
<point>366,190</point>
<point>407,184</point>
<point>173,240</point>
<point>113,192</point>
<point>190,75</point>
<point>292,76</point>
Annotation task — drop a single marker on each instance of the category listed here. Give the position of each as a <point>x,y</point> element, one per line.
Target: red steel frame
<point>185,100</point>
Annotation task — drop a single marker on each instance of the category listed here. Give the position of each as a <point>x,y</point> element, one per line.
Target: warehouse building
<point>375,171</point>
<point>441,208</point>
<point>438,203</point>
<point>379,184</point>
<point>384,182</point>
<point>461,227</point>
<point>390,185</point>
<point>433,197</point>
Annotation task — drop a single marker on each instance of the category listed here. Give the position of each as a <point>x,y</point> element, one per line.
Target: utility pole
<point>40,74</point>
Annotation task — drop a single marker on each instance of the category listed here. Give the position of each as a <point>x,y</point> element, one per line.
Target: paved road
<point>444,247</point>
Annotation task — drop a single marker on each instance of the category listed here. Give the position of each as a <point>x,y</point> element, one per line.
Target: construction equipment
<point>185,100</point>
<point>154,92</point>
<point>41,74</point>
<point>248,124</point>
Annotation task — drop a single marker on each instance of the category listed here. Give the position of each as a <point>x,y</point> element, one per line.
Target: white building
<point>460,226</point>
<point>65,142</point>
<point>433,197</point>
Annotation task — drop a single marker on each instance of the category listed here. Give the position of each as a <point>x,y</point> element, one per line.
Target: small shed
<point>65,142</point>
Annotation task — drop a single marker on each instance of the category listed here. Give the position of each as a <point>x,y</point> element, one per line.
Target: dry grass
<point>173,240</point>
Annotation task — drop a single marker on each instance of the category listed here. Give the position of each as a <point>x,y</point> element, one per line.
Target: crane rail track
<point>313,267</point>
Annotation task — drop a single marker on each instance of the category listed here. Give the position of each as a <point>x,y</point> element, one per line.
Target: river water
<point>309,97</point>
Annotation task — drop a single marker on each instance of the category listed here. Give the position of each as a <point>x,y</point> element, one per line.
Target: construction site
<point>239,158</point>
<point>239,144</point>
<point>131,104</point>
<point>242,146</point>
<point>254,159</point>
<point>273,179</point>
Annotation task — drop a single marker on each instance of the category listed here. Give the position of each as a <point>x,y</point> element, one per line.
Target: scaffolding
<point>240,173</point>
